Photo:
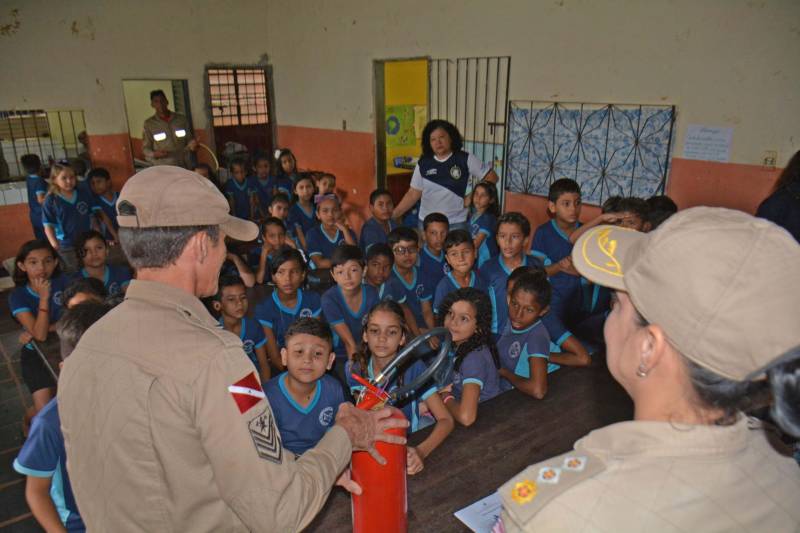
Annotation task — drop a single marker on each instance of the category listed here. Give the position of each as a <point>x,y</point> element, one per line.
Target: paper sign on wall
<point>708,143</point>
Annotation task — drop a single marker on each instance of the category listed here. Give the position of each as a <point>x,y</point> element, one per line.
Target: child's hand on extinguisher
<point>414,463</point>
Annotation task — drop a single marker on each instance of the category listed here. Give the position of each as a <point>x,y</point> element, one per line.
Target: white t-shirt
<point>438,199</point>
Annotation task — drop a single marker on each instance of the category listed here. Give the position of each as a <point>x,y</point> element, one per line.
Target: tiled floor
<point>14,400</point>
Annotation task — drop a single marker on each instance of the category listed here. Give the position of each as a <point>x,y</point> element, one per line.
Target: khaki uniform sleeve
<point>264,485</point>
<point>147,142</point>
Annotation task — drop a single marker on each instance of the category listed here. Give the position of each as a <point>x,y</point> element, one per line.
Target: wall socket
<point>769,158</point>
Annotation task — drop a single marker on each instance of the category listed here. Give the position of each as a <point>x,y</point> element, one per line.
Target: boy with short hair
<point>231,304</point>
<point>377,228</point>
<point>325,237</point>
<point>242,192</point>
<point>43,458</point>
<point>380,261</point>
<point>459,250</point>
<point>347,303</point>
<point>261,178</point>
<point>431,259</point>
<point>513,234</point>
<point>100,184</point>
<point>418,289</point>
<point>524,345</point>
<point>82,290</point>
<point>326,184</point>
<point>660,207</point>
<point>304,400</point>
<point>37,190</point>
<point>273,237</point>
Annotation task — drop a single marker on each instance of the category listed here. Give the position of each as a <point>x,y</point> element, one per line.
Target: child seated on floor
<point>242,192</point>
<point>524,344</point>
<point>660,207</point>
<point>380,261</point>
<point>418,290</point>
<point>304,400</point>
<point>93,262</point>
<point>467,314</point>
<point>483,220</point>
<point>82,290</point>
<point>43,458</point>
<point>384,335</point>
<point>431,258</point>
<point>376,229</point>
<point>301,214</point>
<point>288,301</point>
<point>331,232</point>
<point>230,303</point>
<point>459,250</point>
<point>345,305</point>
<point>286,173</point>
<point>552,244</point>
<point>261,178</point>
<point>326,184</point>
<point>273,237</point>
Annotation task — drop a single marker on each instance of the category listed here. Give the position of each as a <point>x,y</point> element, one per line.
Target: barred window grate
<point>238,96</point>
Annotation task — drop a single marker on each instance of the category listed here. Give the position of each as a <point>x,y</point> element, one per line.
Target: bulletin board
<point>609,149</point>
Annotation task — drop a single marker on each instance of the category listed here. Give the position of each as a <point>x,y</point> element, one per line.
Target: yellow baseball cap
<point>722,284</point>
<point>166,196</point>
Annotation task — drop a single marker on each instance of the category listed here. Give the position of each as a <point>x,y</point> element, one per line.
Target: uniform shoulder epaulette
<point>533,488</point>
<point>225,337</point>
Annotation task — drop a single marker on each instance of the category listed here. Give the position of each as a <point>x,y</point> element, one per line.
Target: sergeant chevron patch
<point>266,437</point>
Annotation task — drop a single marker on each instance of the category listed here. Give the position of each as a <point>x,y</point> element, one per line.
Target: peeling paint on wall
<point>8,29</point>
<point>87,33</point>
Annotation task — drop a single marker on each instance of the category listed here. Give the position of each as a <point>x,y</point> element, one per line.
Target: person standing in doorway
<point>167,135</point>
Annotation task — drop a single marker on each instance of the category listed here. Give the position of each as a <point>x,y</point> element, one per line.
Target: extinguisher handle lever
<point>438,369</point>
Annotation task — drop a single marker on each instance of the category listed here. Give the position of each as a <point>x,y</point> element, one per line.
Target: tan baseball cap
<point>722,284</point>
<point>163,196</point>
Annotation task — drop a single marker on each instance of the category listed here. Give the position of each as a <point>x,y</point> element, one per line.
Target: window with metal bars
<point>238,96</point>
<point>52,135</point>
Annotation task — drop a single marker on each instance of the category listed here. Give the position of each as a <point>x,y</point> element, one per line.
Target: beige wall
<point>722,62</point>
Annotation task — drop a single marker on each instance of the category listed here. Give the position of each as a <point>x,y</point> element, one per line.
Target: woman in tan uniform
<point>704,324</point>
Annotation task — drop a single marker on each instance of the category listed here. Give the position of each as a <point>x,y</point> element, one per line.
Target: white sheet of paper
<point>708,143</point>
<point>481,515</point>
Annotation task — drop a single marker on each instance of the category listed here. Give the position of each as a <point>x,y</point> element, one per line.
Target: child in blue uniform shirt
<point>284,178</point>
<point>325,237</point>
<point>106,200</point>
<point>288,301</point>
<point>43,458</point>
<point>466,313</point>
<point>36,303</point>
<point>242,192</point>
<point>384,335</point>
<point>346,304</point>
<point>93,261</point>
<point>483,220</point>
<point>376,229</point>
<point>301,214</point>
<point>304,400</point>
<point>261,179</point>
<point>273,238</point>
<point>460,254</point>
<point>513,232</point>
<point>431,257</point>
<point>417,288</point>
<point>230,303</point>
<point>524,345</point>
<point>380,261</point>
<point>37,190</point>
<point>66,213</point>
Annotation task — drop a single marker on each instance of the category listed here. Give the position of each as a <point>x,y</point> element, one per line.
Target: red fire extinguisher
<point>382,506</point>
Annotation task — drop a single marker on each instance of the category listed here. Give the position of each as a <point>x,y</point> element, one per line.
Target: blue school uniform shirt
<point>410,406</point>
<point>282,184</point>
<point>273,314</point>
<point>69,217</point>
<point>252,337</point>
<point>551,245</point>
<point>485,224</point>
<point>109,207</point>
<point>477,367</point>
<point>417,291</point>
<point>241,195</point>
<point>517,346</point>
<point>115,278</point>
<point>299,217</point>
<point>264,189</point>
<point>37,187</point>
<point>336,311</point>
<point>318,242</point>
<point>496,273</point>
<point>391,290</point>
<point>43,455</point>
<point>433,267</point>
<point>23,299</point>
<point>372,233</point>
<point>449,284</point>
<point>411,218</point>
<point>303,427</point>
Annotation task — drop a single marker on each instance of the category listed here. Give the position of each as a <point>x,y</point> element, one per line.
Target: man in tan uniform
<point>165,422</point>
<point>167,136</point>
<point>704,307</point>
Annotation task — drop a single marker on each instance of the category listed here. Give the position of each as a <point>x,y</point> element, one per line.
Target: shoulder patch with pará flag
<point>247,392</point>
